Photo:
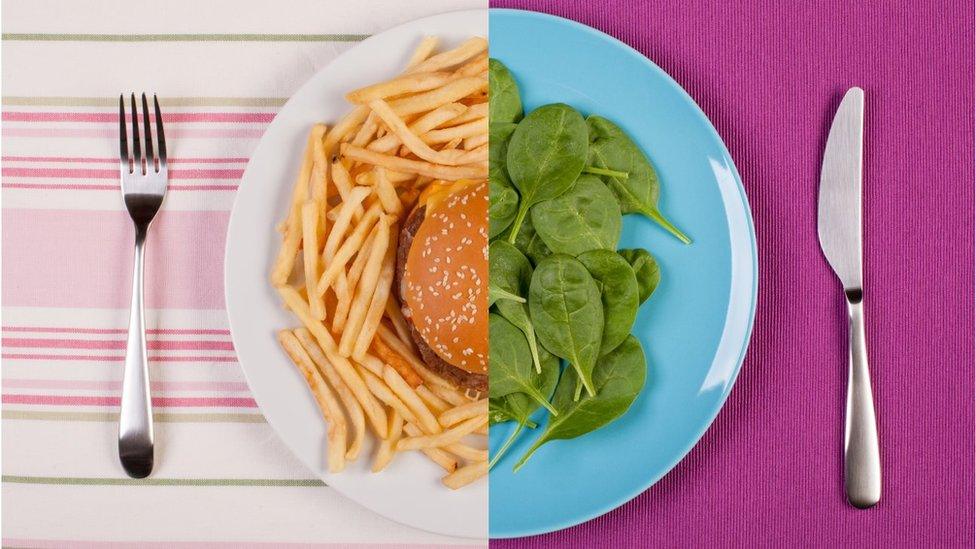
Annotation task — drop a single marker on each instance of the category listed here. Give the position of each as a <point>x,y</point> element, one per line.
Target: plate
<point>696,327</point>
<point>409,491</point>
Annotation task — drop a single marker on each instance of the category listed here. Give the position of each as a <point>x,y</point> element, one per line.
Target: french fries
<point>450,436</point>
<point>353,409</point>
<point>357,181</point>
<point>466,475</point>
<point>460,413</point>
<point>323,396</point>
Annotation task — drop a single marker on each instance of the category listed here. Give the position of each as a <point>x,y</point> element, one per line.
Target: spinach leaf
<point>511,272</point>
<point>545,155</point>
<point>499,134</point>
<point>586,217</point>
<point>530,243</point>
<point>503,205</point>
<point>507,268</point>
<point>503,199</point>
<point>618,292</point>
<point>519,406</point>
<point>504,103</point>
<point>509,364</point>
<point>610,148</point>
<point>565,307</point>
<point>501,410</point>
<point>618,378</point>
<point>646,268</point>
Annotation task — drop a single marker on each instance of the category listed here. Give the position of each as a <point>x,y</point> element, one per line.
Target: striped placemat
<point>222,70</point>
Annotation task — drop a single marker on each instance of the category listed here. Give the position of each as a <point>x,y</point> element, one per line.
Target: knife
<point>839,228</point>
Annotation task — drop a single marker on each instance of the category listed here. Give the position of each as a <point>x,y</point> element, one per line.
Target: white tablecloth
<point>222,68</point>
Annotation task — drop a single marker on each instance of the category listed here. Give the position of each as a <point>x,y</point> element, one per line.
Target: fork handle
<point>862,461</point>
<point>135,413</point>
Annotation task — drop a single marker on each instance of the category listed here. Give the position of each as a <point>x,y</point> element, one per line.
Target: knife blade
<point>839,206</point>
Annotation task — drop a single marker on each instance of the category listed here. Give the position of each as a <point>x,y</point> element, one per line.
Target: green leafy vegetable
<point>530,243</point>
<point>618,293</point>
<point>510,364</point>
<point>565,307</point>
<point>505,104</point>
<point>510,270</point>
<point>546,153</point>
<point>612,149</point>
<point>618,379</point>
<point>586,217</point>
<point>499,134</point>
<point>558,290</point>
<point>603,171</point>
<point>519,406</point>
<point>646,269</point>
<point>505,273</point>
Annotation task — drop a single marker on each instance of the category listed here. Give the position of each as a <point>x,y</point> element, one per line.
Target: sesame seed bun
<point>442,264</point>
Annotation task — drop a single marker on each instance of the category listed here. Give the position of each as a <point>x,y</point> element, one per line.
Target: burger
<point>441,280</point>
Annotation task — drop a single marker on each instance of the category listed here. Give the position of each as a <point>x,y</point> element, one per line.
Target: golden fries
<point>410,83</point>
<point>465,411</point>
<point>466,475</point>
<point>397,362</point>
<point>310,252</point>
<point>450,436</point>
<point>353,409</point>
<point>377,304</point>
<point>388,447</point>
<point>455,90</point>
<point>470,48</point>
<point>423,51</point>
<point>366,288</point>
<point>371,407</point>
<point>357,182</point>
<point>293,235</point>
<point>323,396</point>
<point>406,394</point>
<point>419,167</point>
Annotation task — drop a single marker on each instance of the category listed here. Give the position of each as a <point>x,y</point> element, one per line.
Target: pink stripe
<point>113,133</point>
<point>68,544</point>
<point>161,402</point>
<point>70,187</point>
<point>118,358</point>
<point>87,160</point>
<point>101,117</point>
<point>160,331</point>
<point>76,173</point>
<point>93,385</point>
<point>184,270</point>
<point>152,344</point>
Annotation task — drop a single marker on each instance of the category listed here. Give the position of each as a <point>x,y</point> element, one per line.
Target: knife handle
<point>862,461</point>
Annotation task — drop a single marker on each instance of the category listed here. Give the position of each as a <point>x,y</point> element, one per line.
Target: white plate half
<point>409,491</point>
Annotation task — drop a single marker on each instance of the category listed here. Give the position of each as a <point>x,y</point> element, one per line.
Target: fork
<point>144,182</point>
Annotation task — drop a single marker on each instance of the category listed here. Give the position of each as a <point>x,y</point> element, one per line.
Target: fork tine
<point>136,149</point>
<point>150,159</point>
<point>124,164</point>
<point>160,136</point>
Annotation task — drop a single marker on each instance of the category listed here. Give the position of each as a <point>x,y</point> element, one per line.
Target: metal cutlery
<point>839,228</point>
<point>144,181</point>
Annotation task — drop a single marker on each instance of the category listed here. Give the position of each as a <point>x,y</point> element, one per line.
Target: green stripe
<point>162,417</point>
<point>246,37</point>
<point>24,101</point>
<point>97,481</point>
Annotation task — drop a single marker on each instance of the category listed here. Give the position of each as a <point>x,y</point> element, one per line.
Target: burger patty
<point>457,376</point>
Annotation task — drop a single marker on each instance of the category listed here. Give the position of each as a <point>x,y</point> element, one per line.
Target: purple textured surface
<point>770,76</point>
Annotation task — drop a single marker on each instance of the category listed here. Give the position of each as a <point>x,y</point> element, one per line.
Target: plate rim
<point>753,299</point>
<point>236,219</point>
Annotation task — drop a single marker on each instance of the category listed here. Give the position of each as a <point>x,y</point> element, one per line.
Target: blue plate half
<point>694,329</point>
